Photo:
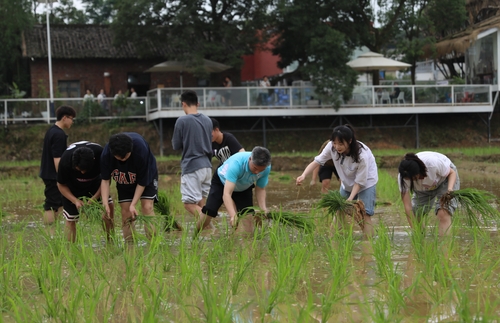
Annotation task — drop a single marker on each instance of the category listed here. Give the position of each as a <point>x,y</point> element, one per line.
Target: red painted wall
<point>258,65</point>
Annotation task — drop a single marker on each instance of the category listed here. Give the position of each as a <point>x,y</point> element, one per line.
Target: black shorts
<point>53,198</point>
<point>242,200</point>
<point>70,212</point>
<point>126,192</point>
<point>326,172</point>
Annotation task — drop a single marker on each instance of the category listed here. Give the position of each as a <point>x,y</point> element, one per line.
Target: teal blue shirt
<point>236,170</point>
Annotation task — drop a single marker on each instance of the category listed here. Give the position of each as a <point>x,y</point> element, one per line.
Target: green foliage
<point>15,18</point>
<point>476,205</point>
<point>314,35</point>
<point>299,220</point>
<point>162,208</point>
<point>218,30</point>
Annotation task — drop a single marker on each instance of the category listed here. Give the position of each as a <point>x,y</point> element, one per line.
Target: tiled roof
<point>83,41</point>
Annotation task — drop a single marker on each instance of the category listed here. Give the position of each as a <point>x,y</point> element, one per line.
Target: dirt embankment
<point>476,164</point>
<point>20,142</point>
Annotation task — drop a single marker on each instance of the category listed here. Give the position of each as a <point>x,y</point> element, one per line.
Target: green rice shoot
<point>475,204</point>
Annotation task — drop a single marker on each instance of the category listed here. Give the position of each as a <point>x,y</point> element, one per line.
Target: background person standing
<point>54,145</point>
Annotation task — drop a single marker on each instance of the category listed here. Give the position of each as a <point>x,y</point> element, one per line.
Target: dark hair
<point>65,110</point>
<point>120,144</point>
<point>229,77</point>
<point>215,124</point>
<point>261,156</point>
<point>189,97</point>
<point>83,158</point>
<point>410,166</point>
<point>346,133</point>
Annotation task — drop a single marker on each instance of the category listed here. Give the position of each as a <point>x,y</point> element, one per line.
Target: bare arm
<point>355,190</point>
<point>452,178</point>
<point>312,166</point>
<point>405,197</point>
<point>56,164</point>
<point>105,195</point>
<point>228,201</point>
<point>66,192</point>
<point>137,196</point>
<point>260,194</point>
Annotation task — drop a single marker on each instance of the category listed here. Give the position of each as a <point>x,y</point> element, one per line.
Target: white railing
<point>241,98</point>
<point>305,97</point>
<point>24,110</point>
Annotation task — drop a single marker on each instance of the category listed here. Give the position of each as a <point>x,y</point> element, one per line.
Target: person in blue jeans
<point>356,168</point>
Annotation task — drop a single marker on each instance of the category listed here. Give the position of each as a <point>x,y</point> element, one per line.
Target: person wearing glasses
<point>232,185</point>
<point>356,167</point>
<point>54,145</point>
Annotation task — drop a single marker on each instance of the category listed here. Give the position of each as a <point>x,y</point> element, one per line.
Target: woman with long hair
<point>356,168</point>
<point>428,176</point>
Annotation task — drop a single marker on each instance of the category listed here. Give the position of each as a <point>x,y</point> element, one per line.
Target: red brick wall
<point>90,73</point>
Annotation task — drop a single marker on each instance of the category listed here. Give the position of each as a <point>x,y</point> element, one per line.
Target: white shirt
<point>101,97</point>
<point>438,168</point>
<point>133,94</point>
<point>364,173</point>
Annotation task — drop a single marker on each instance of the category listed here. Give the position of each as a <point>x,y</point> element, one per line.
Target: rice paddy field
<point>276,274</point>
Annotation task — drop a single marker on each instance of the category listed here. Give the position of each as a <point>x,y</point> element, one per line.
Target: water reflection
<point>332,277</point>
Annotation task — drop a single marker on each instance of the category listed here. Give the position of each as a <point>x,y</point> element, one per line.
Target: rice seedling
<point>336,203</point>
<point>474,203</point>
<point>338,253</point>
<point>297,220</point>
<point>162,207</point>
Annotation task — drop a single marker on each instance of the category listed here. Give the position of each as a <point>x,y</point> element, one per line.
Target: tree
<point>315,35</point>
<point>220,30</point>
<point>413,22</point>
<point>447,17</point>
<point>99,12</point>
<point>15,17</point>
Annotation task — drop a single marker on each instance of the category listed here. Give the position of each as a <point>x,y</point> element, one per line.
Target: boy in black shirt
<point>128,159</point>
<point>79,176</point>
<point>54,145</point>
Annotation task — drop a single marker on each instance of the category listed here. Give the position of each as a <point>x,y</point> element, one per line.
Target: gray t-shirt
<point>193,134</point>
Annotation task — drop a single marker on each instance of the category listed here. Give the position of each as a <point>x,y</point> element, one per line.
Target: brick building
<point>84,57</point>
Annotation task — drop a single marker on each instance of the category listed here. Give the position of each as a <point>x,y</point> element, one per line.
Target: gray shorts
<point>422,202</point>
<point>195,186</point>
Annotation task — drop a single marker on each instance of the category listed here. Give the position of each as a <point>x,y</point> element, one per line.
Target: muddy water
<point>283,193</point>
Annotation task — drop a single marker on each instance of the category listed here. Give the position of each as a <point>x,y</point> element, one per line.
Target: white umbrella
<point>179,66</point>
<point>371,61</point>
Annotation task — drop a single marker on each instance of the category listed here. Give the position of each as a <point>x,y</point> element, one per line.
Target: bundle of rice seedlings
<point>91,211</point>
<point>298,220</point>
<point>162,208</point>
<point>474,203</point>
<point>335,203</point>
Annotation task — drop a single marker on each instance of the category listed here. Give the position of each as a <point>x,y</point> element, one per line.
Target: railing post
<point>5,112</point>
<point>248,97</point>
<point>453,95</point>
<point>204,98</point>
<point>48,111</point>
<point>159,99</point>
<point>413,95</point>
<point>291,97</point>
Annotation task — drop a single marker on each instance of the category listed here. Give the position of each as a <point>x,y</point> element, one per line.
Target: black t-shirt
<point>228,147</point>
<point>54,145</point>
<point>73,178</point>
<point>140,168</point>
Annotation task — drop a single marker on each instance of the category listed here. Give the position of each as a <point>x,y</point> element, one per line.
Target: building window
<point>69,89</point>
